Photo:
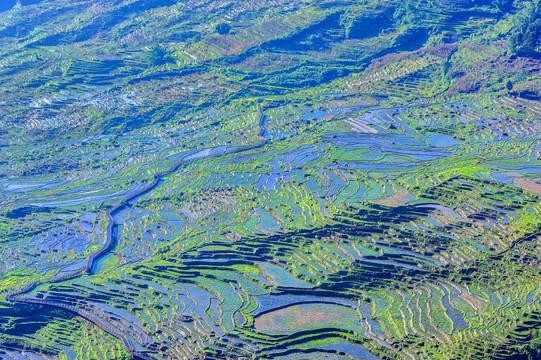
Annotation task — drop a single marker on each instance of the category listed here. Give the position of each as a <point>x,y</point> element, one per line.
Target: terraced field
<point>270,180</point>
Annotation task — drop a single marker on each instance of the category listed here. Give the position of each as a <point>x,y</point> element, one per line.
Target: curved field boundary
<point>14,296</point>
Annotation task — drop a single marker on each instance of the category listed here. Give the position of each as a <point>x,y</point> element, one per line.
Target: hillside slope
<point>270,179</point>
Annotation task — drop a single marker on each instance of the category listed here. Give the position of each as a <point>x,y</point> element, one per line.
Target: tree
<point>222,28</point>
<point>158,55</point>
<point>503,6</point>
<point>534,349</point>
<point>525,38</point>
<point>445,67</point>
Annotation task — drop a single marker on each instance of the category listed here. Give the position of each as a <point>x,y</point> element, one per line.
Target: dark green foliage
<point>307,74</point>
<point>361,26</point>
<point>405,14</point>
<point>445,75</point>
<point>503,6</point>
<point>534,349</point>
<point>223,28</point>
<point>158,55</point>
<point>525,39</point>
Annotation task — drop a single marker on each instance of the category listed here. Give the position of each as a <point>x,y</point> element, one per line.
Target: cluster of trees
<point>222,28</point>
<point>534,349</point>
<point>503,6</point>
<point>525,38</point>
<point>158,55</point>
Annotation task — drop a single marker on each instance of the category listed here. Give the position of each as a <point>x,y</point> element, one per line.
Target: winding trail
<point>112,237</point>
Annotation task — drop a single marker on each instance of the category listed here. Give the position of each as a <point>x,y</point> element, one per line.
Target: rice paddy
<point>325,181</point>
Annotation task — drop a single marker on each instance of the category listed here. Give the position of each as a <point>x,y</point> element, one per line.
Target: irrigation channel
<point>112,239</point>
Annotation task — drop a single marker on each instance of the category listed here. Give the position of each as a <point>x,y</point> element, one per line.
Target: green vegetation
<point>270,180</point>
<point>222,28</point>
<point>526,37</point>
<point>158,55</point>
